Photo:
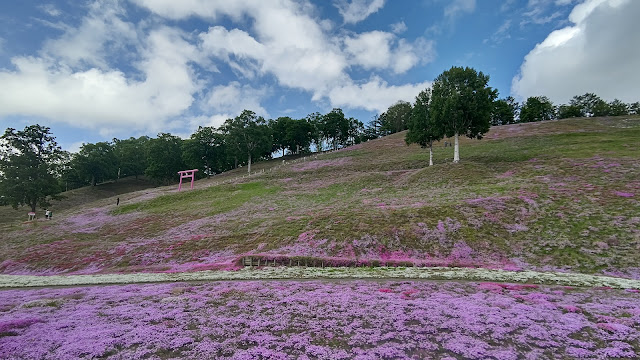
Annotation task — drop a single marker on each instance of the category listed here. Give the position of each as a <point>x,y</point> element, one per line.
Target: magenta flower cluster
<point>320,320</point>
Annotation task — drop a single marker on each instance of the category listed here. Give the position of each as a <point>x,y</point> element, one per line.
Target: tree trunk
<point>93,180</point>
<point>282,152</point>
<point>431,154</point>
<point>456,150</point>
<point>33,206</point>
<point>249,166</point>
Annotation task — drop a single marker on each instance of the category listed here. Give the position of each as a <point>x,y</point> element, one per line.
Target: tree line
<point>34,169</point>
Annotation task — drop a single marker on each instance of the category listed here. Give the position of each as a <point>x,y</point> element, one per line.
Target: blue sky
<point>95,70</point>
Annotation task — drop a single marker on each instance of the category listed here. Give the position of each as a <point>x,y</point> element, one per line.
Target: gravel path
<point>433,273</point>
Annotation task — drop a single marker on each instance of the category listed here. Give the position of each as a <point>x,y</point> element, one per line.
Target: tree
<point>315,119</point>
<point>634,108</point>
<point>396,118</point>
<point>423,130</point>
<point>28,166</point>
<point>205,150</point>
<point>601,108</point>
<point>372,131</point>
<point>356,131</point>
<point>132,156</point>
<point>165,157</point>
<point>585,103</point>
<point>618,108</point>
<point>334,128</point>
<point>504,112</point>
<point>250,134</point>
<point>568,111</point>
<point>299,135</point>
<point>537,108</point>
<point>279,128</point>
<point>96,162</point>
<point>461,103</point>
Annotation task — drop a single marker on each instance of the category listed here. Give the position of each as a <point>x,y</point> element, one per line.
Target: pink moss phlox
<point>624,194</point>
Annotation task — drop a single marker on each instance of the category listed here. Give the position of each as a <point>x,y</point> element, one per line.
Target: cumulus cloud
<point>375,94</point>
<point>381,50</point>
<point>100,33</point>
<point>234,97</point>
<point>107,73</point>
<point>594,54</point>
<point>357,10</point>
<point>106,100</point>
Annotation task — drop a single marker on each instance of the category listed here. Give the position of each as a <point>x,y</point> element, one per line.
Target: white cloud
<point>380,50</point>
<point>374,95</point>
<point>233,98</point>
<point>501,34</point>
<point>110,75</point>
<point>459,7</point>
<point>357,10</point>
<point>50,10</point>
<point>541,12</point>
<point>371,50</point>
<point>101,32</point>
<point>105,99</point>
<point>399,27</point>
<point>595,54</point>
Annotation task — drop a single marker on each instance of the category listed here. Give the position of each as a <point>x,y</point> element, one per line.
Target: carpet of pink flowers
<point>320,320</point>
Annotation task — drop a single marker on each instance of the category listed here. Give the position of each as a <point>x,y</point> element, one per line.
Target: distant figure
<point>47,214</point>
<point>117,201</point>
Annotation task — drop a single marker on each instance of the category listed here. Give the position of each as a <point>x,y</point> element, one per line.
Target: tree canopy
<point>423,130</point>
<point>29,161</point>
<point>537,108</point>
<point>462,103</point>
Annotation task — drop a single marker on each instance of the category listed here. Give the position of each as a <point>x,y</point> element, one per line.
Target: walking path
<point>299,273</point>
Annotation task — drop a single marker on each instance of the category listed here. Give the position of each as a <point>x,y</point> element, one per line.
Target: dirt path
<point>435,273</point>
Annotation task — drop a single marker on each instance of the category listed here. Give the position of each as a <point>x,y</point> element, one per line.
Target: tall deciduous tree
<point>586,103</point>
<point>618,108</point>
<point>132,156</point>
<point>165,157</point>
<point>537,108</point>
<point>334,128</point>
<point>96,162</point>
<point>28,167</point>
<point>250,135</point>
<point>461,102</point>
<point>299,135</point>
<point>205,150</point>
<point>568,111</point>
<point>423,130</point>
<point>504,112</point>
<point>396,118</point>
<point>279,130</point>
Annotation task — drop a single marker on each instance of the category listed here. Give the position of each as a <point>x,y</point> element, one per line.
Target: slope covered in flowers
<point>561,195</point>
<point>320,320</point>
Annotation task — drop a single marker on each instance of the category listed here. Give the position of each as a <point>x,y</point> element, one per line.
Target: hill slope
<point>553,195</point>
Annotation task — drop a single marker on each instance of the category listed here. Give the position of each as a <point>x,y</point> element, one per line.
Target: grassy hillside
<point>553,195</point>
<point>79,197</point>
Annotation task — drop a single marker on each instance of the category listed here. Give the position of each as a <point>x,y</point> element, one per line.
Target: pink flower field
<point>320,320</point>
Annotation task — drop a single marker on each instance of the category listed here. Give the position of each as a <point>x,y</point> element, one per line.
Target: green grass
<point>551,190</point>
<point>216,199</point>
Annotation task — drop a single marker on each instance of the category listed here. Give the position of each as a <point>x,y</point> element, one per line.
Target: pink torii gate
<point>186,174</point>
